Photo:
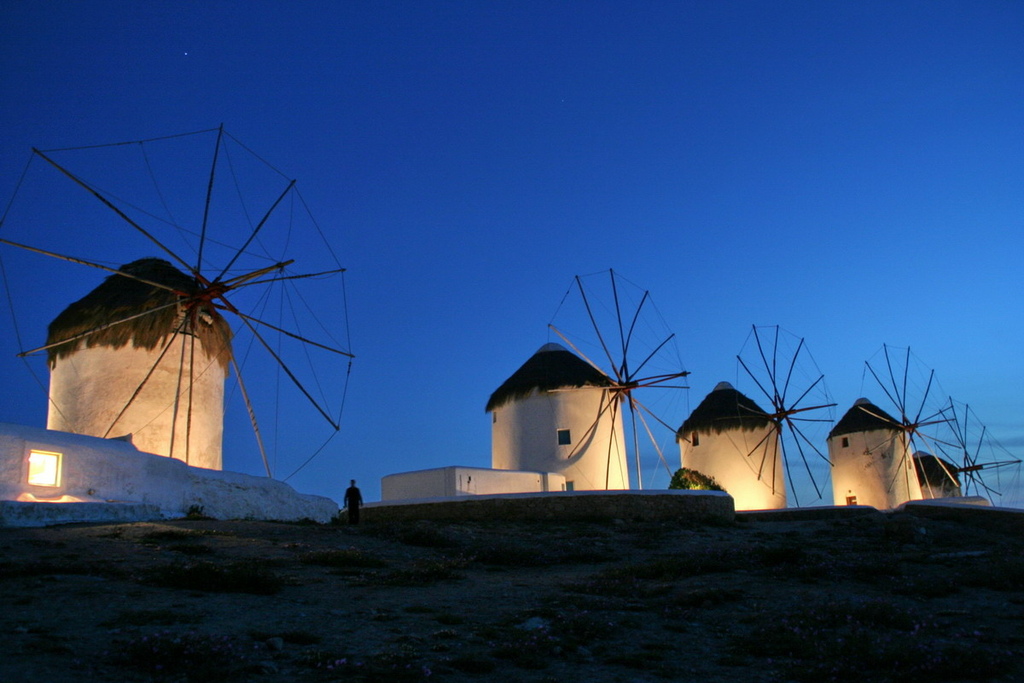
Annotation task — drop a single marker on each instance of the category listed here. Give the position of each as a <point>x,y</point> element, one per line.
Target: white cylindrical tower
<point>556,414</point>
<point>158,377</point>
<point>730,438</point>
<point>871,461</point>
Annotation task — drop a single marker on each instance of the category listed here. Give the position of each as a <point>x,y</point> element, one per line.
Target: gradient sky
<point>849,171</point>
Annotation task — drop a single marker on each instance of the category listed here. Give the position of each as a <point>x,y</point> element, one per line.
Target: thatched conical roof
<point>552,367</point>
<point>119,297</point>
<point>723,409</point>
<point>864,416</point>
<point>935,471</point>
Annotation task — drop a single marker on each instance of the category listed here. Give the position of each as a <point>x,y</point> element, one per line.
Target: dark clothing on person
<point>353,499</point>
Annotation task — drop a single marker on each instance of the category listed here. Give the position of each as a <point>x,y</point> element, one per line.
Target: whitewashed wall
<point>91,386</point>
<point>524,437</point>
<point>875,469</point>
<point>734,458</point>
<point>97,470</point>
<point>451,482</point>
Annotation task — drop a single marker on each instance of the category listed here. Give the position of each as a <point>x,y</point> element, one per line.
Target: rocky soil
<point>868,598</point>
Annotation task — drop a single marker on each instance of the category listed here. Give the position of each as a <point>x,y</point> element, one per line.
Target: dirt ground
<point>877,597</point>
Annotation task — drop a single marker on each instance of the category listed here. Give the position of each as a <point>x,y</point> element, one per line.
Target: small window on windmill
<point>570,486</point>
<point>846,442</point>
<point>564,437</point>
<point>695,439</point>
<point>851,500</point>
<point>494,418</point>
<point>44,468</point>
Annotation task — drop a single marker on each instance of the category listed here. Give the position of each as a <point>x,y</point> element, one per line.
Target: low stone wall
<point>697,506</point>
<point>809,514</point>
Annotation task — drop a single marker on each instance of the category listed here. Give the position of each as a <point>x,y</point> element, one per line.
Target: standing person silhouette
<point>353,499</point>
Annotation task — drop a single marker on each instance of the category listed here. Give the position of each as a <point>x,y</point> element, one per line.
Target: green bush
<point>692,480</point>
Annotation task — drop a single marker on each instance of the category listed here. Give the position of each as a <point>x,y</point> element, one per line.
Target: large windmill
<point>614,326</point>
<point>754,451</point>
<point>215,267</point>
<point>780,366</point>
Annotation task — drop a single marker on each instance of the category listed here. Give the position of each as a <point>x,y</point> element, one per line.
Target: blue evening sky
<point>849,171</point>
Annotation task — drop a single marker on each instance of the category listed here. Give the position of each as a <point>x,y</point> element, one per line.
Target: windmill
<point>190,230</point>
<point>872,461</point>
<point>730,440</point>
<point>952,448</point>
<point>614,326</point>
<point>780,371</point>
<point>977,453</point>
<point>922,422</point>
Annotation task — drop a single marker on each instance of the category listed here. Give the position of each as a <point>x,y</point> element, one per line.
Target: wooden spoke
<point>597,330</point>
<point>110,205</point>
<point>779,368</point>
<point>614,317</point>
<point>201,220</point>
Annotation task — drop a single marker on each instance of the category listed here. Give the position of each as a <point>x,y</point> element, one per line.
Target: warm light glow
<point>44,468</point>
<point>29,498</point>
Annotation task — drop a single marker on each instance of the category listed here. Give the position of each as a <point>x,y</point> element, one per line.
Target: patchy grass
<point>419,534</point>
<point>184,541</point>
<point>705,597</point>
<point>234,577</point>
<point>449,619</point>
<point>291,637</point>
<point>57,567</point>
<point>1003,573</point>
<point>419,573</point>
<point>152,617</point>
<point>868,567</point>
<point>926,588</point>
<point>473,664</point>
<point>192,657</point>
<point>419,609</point>
<point>191,549</point>
<point>536,638</point>
<point>619,585</point>
<point>171,535</point>
<point>401,665</point>
<point>655,577</point>
<point>503,553</point>
<point>685,565</point>
<point>507,555</point>
<point>869,640</point>
<point>759,602</point>
<point>343,558</point>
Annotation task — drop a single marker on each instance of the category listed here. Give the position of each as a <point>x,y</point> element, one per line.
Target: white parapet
<point>56,468</point>
<point>451,482</point>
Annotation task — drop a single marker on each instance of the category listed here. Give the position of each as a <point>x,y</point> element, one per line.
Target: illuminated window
<point>564,438</point>
<point>44,468</point>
